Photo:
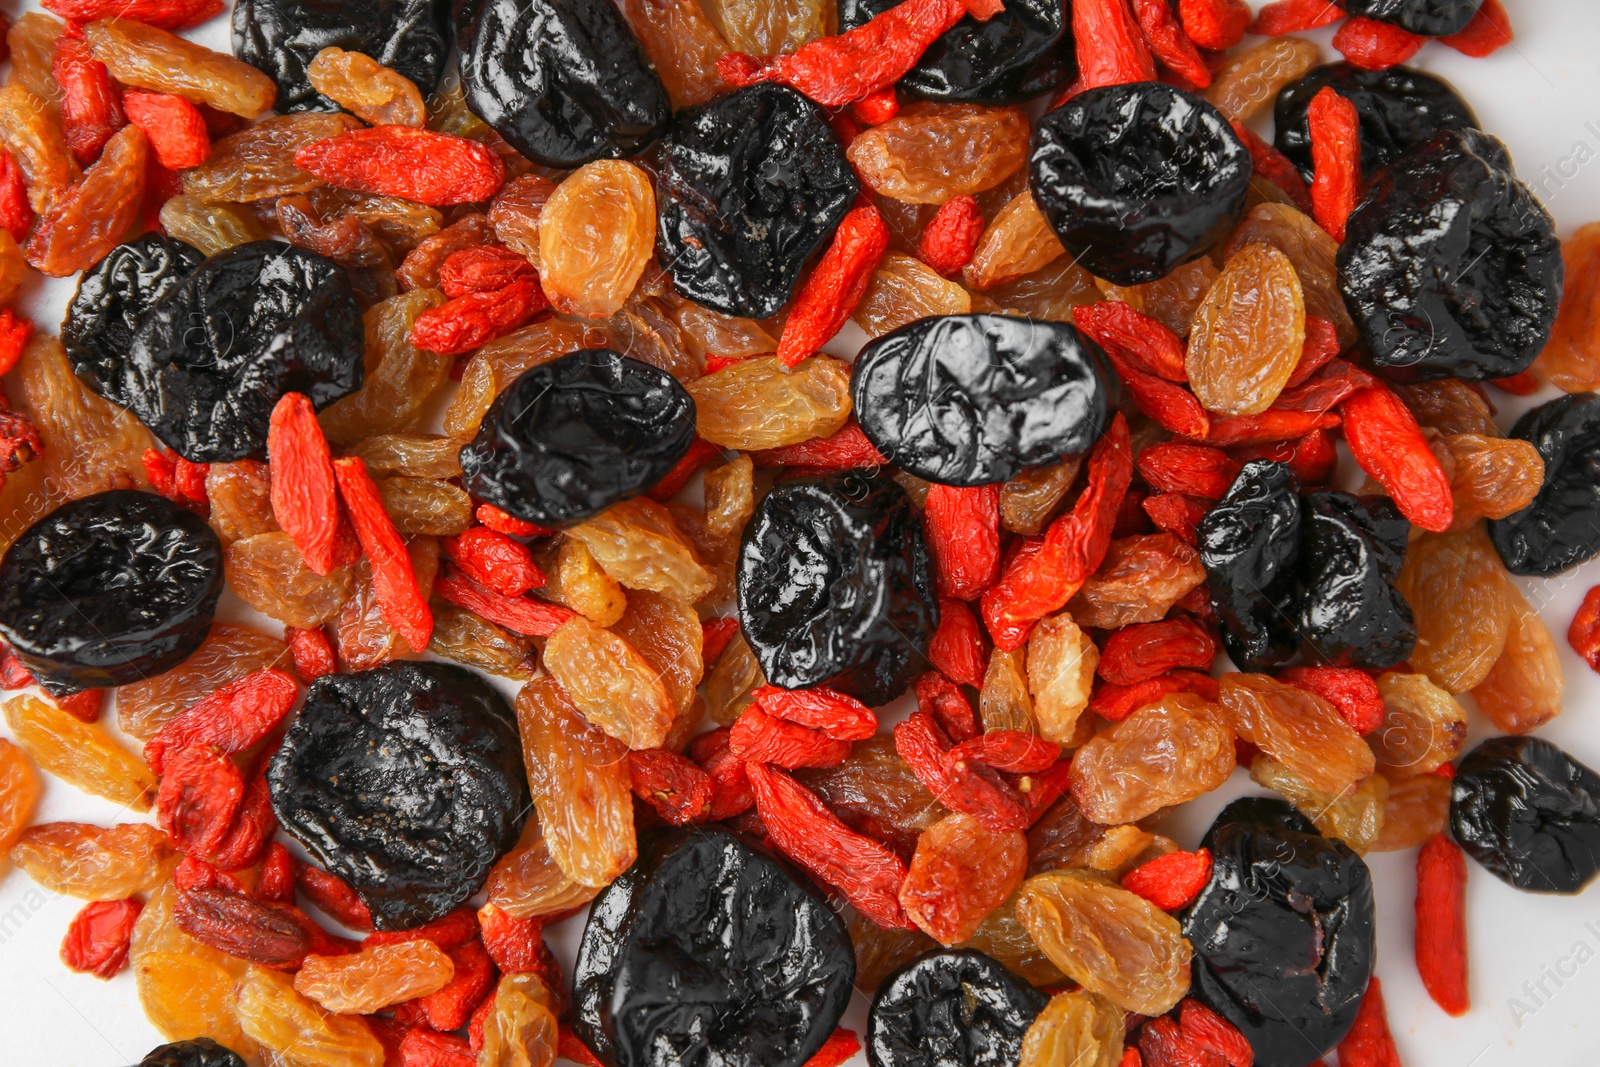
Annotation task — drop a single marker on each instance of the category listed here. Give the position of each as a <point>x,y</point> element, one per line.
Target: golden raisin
<point>959,874</point>
<point>1248,333</point>
<point>1161,755</point>
<point>80,753</point>
<point>1423,726</point>
<point>1138,581</point>
<point>1251,78</point>
<point>19,792</point>
<point>1003,700</point>
<point>520,1030</point>
<point>151,58</point>
<point>527,883</point>
<point>638,544</point>
<point>1061,665</point>
<point>1017,243</point>
<point>613,686</point>
<point>904,289</point>
<point>1298,729</point>
<point>931,153</point>
<point>1356,817</point>
<point>298,1031</point>
<point>758,403</point>
<point>1461,598</point>
<point>93,862</point>
<point>228,653</point>
<point>364,982</point>
<point>683,45</point>
<point>1571,358</point>
<point>1076,1029</point>
<point>596,234</point>
<point>366,88</point>
<point>1523,689</point>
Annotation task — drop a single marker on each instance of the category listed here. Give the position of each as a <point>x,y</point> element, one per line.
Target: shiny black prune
<point>1561,528</point>
<point>1529,813</point>
<point>569,438</point>
<point>280,38</point>
<point>110,589</point>
<point>948,1008</point>
<point>1431,18</point>
<point>1284,933</point>
<point>708,951</point>
<point>564,81</point>
<point>214,355</point>
<point>1399,108</point>
<point>750,185</point>
<point>975,399</point>
<point>406,781</point>
<point>1137,179</point>
<point>1024,51</point>
<point>112,299</point>
<point>1249,544</point>
<point>1350,611</point>
<point>835,587</point>
<point>1475,292</point>
<point>196,1052</point>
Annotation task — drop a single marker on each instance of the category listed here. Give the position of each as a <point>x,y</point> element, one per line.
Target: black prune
<point>1284,934</point>
<point>406,781</point>
<point>1137,179</point>
<point>110,589</point>
<point>750,185</point>
<point>1529,813</point>
<point>1431,18</point>
<point>708,951</point>
<point>280,38</point>
<point>948,1008</point>
<point>1399,108</point>
<point>1561,528</point>
<point>1474,293</point>
<point>196,1052</point>
<point>564,81</point>
<point>1024,51</point>
<point>835,586</point>
<point>569,438</point>
<point>975,399</point>
<point>1249,544</point>
<point>112,299</point>
<point>214,355</point>
<point>1350,611</point>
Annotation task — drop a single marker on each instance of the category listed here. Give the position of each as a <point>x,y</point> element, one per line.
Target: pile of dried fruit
<point>1089,446</point>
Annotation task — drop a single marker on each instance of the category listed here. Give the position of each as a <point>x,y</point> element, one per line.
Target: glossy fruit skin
<point>1529,813</point>
<point>1087,153</point>
<point>435,749</point>
<point>571,437</point>
<point>1249,544</point>
<point>1350,611</point>
<point>196,1052</point>
<point>564,81</point>
<point>250,324</point>
<point>1011,393</point>
<point>956,1008</point>
<point>1399,108</point>
<point>280,38</point>
<point>111,302</point>
<point>835,587</point>
<point>709,949</point>
<point>1284,934</point>
<point>1431,18</point>
<point>139,573</point>
<point>1022,52</point>
<point>1558,530</point>
<point>751,184</point>
<point>1475,296</point>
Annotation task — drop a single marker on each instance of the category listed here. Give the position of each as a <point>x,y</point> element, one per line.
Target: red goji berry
<point>1295,16</point>
<point>1336,158</point>
<point>90,113</point>
<point>1216,25</point>
<point>480,1015</point>
<point>868,873</point>
<point>1322,345</point>
<point>1131,1058</point>
<point>1325,389</point>
<point>449,932</point>
<point>678,790</point>
<point>568,1047</point>
<point>509,525</point>
<point>846,449</point>
<point>1313,457</point>
<point>834,287</point>
<point>519,614</point>
<point>305,495</point>
<point>956,783</point>
<point>400,600</point>
<point>275,880</point>
<point>230,719</point>
<point>482,269</point>
<point>1197,470</point>
<point>438,169</point>
<point>839,70</point>
<point>1386,441</point>
<point>473,319</point>
<point>429,1048</point>
<point>193,873</point>
<point>16,213</point>
<point>1012,751</point>
<point>1131,519</point>
<point>876,107</point>
<point>730,784</point>
<point>1169,404</point>
<point>1373,45</point>
<point>15,333</point>
<point>1352,692</point>
<point>1525,384</point>
<point>700,453</point>
<point>963,531</point>
<point>841,717</point>
<point>1049,570</point>
<point>201,793</point>
<point>1446,771</point>
<point>951,236</point>
<point>956,649</point>
<point>170,15</point>
<point>1177,514</point>
<point>1170,882</point>
<point>1441,913</point>
<point>1584,633</point>
<point>334,897</point>
<point>161,471</point>
<point>83,705</point>
<point>939,697</point>
<point>1111,50</point>
<point>757,737</point>
<point>1170,44</point>
<point>494,561</point>
<point>311,652</point>
<point>1147,649</point>
<point>97,939</point>
<point>1208,1030</point>
<point>1275,167</point>
<point>175,128</point>
<point>1162,1043</point>
<point>13,675</point>
<point>840,1046</point>
<point>1231,431</point>
<point>842,122</point>
<point>1487,33</point>
<point>1369,1044</point>
<point>512,943</point>
<point>715,634</point>
<point>1149,345</point>
<point>189,482</point>
<point>451,1007</point>
<point>1116,702</point>
<point>1041,790</point>
<point>247,838</point>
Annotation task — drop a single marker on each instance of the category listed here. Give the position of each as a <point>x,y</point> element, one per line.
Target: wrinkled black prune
<point>835,586</point>
<point>196,1052</point>
<point>564,81</point>
<point>1350,611</point>
<point>750,185</point>
<point>709,951</point>
<point>1431,18</point>
<point>109,589</point>
<point>1284,933</point>
<point>974,399</point>
<point>1475,292</point>
<point>1024,51</point>
<point>214,355</point>
<point>951,1008</point>
<point>1137,179</point>
<point>1399,108</point>
<point>569,438</point>
<point>280,38</point>
<point>112,299</point>
<point>1249,544</point>
<point>1561,528</point>
<point>406,781</point>
<point>1529,813</point>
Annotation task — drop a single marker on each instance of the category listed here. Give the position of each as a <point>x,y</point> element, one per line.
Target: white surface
<point>1535,960</point>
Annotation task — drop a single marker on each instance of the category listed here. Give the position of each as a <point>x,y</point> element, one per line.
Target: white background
<point>1542,96</point>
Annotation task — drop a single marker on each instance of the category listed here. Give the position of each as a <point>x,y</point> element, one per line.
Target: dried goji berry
<point>951,236</point>
<point>230,719</point>
<point>1170,405</point>
<point>193,873</point>
<point>16,213</point>
<point>839,716</point>
<point>840,1046</point>
<point>1151,346</point>
<point>730,784</point>
<point>1214,24</point>
<point>495,561</point>
<point>956,649</point>
<point>877,107</point>
<point>1295,16</point>
<point>1373,45</point>
<point>1171,882</point>
<point>1177,514</point>
<point>514,944</point>
<point>1446,771</point>
<point>1131,1058</point>
<point>189,483</point>
<point>167,14</point>
<point>1386,441</point>
<point>1041,790</point>
<point>305,495</point>
<point>261,932</point>
<point>482,269</point>
<point>1322,345</point>
<point>1208,1030</point>
<point>429,1048</point>
<point>1131,519</point>
<point>97,938</point>
<point>1275,167</point>
<point>509,525</point>
<point>956,783</point>
<point>1369,1044</point>
<point>1336,159</point>
<point>1162,1043</point>
<point>449,932</point>
<point>432,168</point>
<point>275,880</point>
<point>175,128</point>
<point>1170,43</point>
<point>90,113</point>
<point>939,697</point>
<point>1197,470</point>
<point>83,705</point>
<point>1111,50</point>
<point>1584,633</point>
<point>1116,702</point>
<point>1012,751</point>
<point>678,790</point>
<point>311,652</point>
<point>1325,389</point>
<point>1441,913</point>
<point>1525,384</point>
<point>568,1047</point>
<point>15,333</point>
<point>1351,691</point>
<point>1274,424</point>
<point>451,1007</point>
<point>519,614</point>
<point>1313,457</point>
<point>248,836</point>
<point>715,634</point>
<point>13,675</point>
<point>1487,33</point>
<point>963,530</point>
<point>1144,650</point>
<point>201,792</point>
<point>762,738</point>
<point>400,600</point>
<point>334,897</point>
<point>700,453</point>
<point>845,449</point>
<point>835,285</point>
<point>473,319</point>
